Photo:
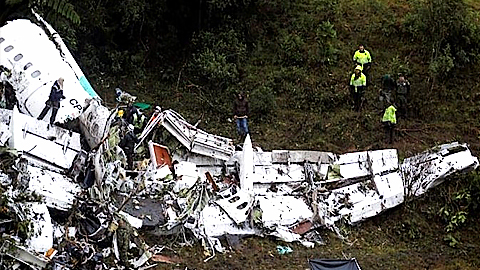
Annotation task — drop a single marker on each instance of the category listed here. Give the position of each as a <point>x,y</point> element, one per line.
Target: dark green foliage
<point>291,48</point>
<point>460,206</point>
<point>51,8</point>
<point>214,65</point>
<point>448,32</point>
<point>61,7</point>
<point>262,102</point>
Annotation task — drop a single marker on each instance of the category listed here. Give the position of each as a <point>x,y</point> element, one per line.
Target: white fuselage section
<point>35,63</point>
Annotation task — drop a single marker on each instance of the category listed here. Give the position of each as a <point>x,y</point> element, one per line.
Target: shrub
<point>447,31</point>
<point>262,102</point>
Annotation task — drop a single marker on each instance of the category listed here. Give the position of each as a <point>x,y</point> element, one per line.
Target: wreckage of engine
<point>68,201</point>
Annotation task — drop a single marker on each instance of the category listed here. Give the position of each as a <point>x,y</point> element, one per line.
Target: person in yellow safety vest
<point>138,122</point>
<point>389,121</point>
<point>358,83</point>
<point>363,58</point>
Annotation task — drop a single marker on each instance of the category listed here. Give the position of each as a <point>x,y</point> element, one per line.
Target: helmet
<point>359,67</point>
<point>130,127</point>
<point>118,92</point>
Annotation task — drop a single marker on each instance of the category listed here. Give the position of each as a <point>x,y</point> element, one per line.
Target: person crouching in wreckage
<point>56,95</point>
<point>128,145</point>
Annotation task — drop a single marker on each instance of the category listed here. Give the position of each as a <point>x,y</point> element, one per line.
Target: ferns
<point>59,7</point>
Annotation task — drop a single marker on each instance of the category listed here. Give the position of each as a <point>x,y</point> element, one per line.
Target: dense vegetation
<point>293,58</point>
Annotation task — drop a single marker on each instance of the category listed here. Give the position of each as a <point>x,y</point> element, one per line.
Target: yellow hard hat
<point>120,113</point>
<point>359,67</point>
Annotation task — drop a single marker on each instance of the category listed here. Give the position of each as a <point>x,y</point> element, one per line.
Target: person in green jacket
<point>389,121</point>
<point>358,83</point>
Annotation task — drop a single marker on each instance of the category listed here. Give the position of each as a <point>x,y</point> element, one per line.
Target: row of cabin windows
<point>18,57</point>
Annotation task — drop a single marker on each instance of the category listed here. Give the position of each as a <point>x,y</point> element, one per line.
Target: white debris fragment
<point>430,168</point>
<point>39,140</point>
<point>42,236</point>
<point>135,222</point>
<point>187,175</point>
<point>197,140</point>
<point>246,166</point>
<point>283,210</point>
<point>59,191</point>
<point>237,205</point>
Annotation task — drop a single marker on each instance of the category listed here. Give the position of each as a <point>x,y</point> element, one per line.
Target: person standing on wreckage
<point>56,95</point>
<point>128,145</point>
<point>240,114</point>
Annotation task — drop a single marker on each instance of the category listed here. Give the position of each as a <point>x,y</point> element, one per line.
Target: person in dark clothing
<point>128,145</point>
<point>387,91</point>
<point>56,95</point>
<point>130,113</point>
<point>403,90</point>
<point>240,114</point>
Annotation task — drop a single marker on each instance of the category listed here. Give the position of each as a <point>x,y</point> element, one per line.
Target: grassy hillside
<point>294,61</point>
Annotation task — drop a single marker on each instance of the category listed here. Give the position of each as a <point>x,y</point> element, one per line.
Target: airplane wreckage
<point>68,201</point>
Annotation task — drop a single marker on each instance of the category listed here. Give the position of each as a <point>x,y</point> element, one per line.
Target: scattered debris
<point>69,200</point>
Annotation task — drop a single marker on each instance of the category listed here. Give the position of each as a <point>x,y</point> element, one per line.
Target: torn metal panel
<point>95,122</point>
<point>136,263</point>
<point>32,74</point>
<point>237,205</point>
<point>197,140</point>
<point>283,210</point>
<point>59,191</point>
<point>354,165</point>
<point>298,156</point>
<point>5,119</point>
<point>362,200</point>
<point>390,189</point>
<point>215,222</point>
<point>285,234</point>
<point>159,154</point>
<point>42,141</point>
<point>278,173</point>
<point>383,161</point>
<point>354,202</point>
<point>21,254</point>
<point>275,189</point>
<point>41,239</point>
<point>430,168</point>
<point>134,221</point>
<point>187,175</point>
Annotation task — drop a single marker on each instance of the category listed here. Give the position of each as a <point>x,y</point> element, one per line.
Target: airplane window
<point>2,39</point>
<point>18,57</point>
<point>8,48</point>
<point>27,66</point>
<point>36,73</point>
